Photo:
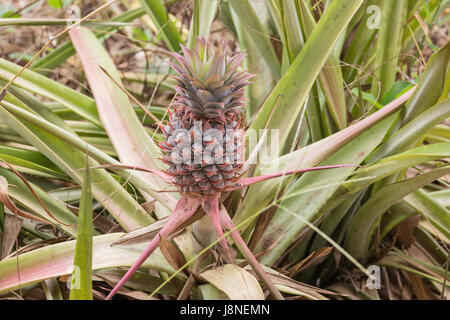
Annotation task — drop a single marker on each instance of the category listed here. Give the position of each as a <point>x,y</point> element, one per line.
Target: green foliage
<point>339,88</point>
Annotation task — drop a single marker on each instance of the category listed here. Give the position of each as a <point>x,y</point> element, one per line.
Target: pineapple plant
<point>166,174</point>
<point>204,145</point>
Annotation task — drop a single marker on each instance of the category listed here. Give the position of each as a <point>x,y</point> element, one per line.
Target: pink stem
<point>211,207</point>
<point>184,209</point>
<point>251,180</point>
<point>148,251</point>
<point>248,255</point>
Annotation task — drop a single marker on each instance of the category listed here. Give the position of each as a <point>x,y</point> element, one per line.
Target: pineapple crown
<point>209,84</point>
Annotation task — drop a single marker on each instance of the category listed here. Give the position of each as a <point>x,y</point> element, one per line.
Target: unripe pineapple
<point>203,146</point>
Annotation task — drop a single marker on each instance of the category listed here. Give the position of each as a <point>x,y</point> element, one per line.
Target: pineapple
<point>203,145</point>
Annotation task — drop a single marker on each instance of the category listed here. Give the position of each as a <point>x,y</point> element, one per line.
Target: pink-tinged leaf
<point>211,207</point>
<point>185,209</point>
<point>130,140</point>
<point>252,180</point>
<point>319,151</point>
<point>182,63</point>
<point>56,260</point>
<point>229,225</point>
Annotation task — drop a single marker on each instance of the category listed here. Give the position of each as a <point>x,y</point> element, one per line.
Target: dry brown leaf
<point>422,23</point>
<point>149,206</point>
<point>313,259</point>
<point>404,231</point>
<point>345,290</point>
<point>104,224</point>
<point>420,288</point>
<point>12,226</point>
<point>172,254</point>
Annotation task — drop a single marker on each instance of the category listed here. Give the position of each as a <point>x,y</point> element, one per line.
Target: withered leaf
<point>11,231</point>
<point>171,253</point>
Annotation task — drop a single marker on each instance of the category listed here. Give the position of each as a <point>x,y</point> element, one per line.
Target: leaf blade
<point>81,288</point>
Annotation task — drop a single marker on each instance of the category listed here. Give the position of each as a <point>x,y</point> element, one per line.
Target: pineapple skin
<point>204,157</point>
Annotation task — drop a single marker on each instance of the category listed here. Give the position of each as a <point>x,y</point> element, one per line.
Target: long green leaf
<point>23,196</point>
<point>443,197</point>
<point>71,139</point>
<point>330,77</point>
<point>202,19</point>
<point>81,288</point>
<point>408,135</point>
<point>30,161</point>
<point>397,163</point>
<point>351,190</point>
<point>365,176</point>
<point>291,91</point>
<point>389,43</point>
<point>22,97</point>
<point>431,85</point>
<point>361,227</point>
<point>257,33</point>
<point>293,38</point>
<point>362,39</point>
<point>431,209</point>
<point>257,197</point>
<point>156,11</point>
<point>254,63</point>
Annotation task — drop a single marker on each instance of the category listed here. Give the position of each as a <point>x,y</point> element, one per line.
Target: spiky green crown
<point>209,85</point>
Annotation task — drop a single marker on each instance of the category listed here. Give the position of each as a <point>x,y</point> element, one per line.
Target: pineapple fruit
<point>203,146</point>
